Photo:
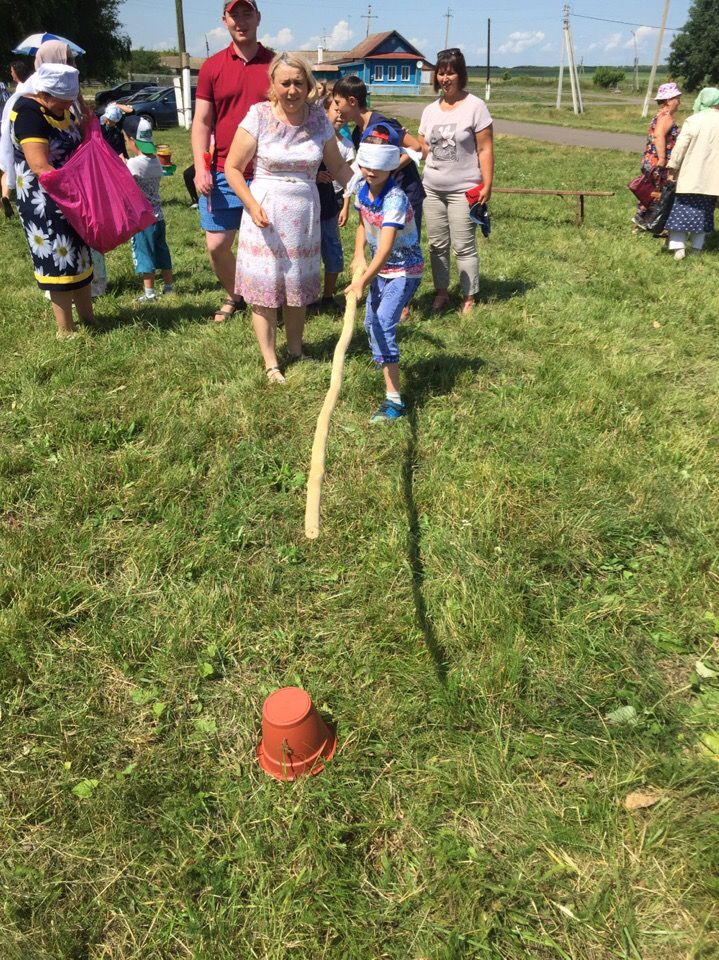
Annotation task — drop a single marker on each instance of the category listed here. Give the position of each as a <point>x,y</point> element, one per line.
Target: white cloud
<point>521,40</point>
<point>338,38</point>
<point>165,45</point>
<point>216,40</point>
<point>643,34</point>
<point>281,41</point>
<point>420,44</point>
<point>608,43</point>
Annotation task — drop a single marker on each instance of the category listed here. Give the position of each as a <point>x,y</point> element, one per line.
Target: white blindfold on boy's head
<point>378,156</point>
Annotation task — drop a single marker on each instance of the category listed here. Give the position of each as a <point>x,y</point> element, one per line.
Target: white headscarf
<point>58,80</point>
<point>7,155</point>
<point>378,156</point>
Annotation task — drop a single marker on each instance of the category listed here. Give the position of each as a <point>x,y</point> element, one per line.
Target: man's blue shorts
<point>225,210</point>
<point>386,299</point>
<point>331,245</point>
<point>150,251</point>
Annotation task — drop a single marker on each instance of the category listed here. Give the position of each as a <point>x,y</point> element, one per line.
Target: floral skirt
<point>692,213</point>
<point>61,260</point>
<point>279,264</point>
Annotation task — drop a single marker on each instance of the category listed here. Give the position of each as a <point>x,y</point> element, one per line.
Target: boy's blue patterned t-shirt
<point>391,209</point>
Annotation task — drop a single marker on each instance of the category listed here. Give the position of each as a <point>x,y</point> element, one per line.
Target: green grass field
<point>534,100</point>
<point>532,550</point>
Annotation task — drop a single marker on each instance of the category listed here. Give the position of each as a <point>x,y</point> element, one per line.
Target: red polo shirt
<point>232,85</point>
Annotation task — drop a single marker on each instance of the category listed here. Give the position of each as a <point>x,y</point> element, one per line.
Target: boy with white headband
<point>387,225</point>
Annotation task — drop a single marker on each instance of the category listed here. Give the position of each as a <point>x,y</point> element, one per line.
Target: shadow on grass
<point>422,380</point>
<point>162,315</point>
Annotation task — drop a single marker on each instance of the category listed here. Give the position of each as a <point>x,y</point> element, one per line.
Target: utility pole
<point>577,104</point>
<point>448,16</point>
<point>636,62</point>
<point>561,72</point>
<point>368,17</point>
<point>182,89</point>
<point>488,84</point>
<point>207,46</point>
<point>657,54</point>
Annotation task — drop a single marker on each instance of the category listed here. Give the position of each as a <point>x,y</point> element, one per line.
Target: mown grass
<point>532,549</point>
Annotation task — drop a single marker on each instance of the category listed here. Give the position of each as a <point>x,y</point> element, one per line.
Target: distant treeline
<point>529,71</point>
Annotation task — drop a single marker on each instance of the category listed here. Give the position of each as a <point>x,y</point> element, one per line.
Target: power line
<point>626,23</point>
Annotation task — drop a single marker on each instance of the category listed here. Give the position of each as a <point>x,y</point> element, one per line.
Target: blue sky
<point>523,31</point>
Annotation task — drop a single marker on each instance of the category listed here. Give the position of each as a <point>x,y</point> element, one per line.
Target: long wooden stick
<point>319,445</point>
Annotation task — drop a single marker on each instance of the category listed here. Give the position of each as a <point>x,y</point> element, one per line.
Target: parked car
<point>121,90</point>
<point>142,95</point>
<point>160,108</point>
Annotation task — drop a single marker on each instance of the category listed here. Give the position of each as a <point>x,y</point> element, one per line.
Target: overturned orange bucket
<point>295,738</point>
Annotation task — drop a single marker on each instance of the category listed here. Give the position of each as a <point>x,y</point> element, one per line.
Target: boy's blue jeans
<point>385,301</point>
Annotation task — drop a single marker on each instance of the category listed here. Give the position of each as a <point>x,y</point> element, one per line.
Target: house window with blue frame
<point>405,73</point>
<point>391,73</point>
<point>378,72</point>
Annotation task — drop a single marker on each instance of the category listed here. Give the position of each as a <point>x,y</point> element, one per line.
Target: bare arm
<point>203,124</point>
<point>38,157</point>
<point>384,248</point>
<point>485,154</point>
<point>344,213</point>
<point>424,147</point>
<point>243,149</point>
<point>664,125</point>
<point>339,169</point>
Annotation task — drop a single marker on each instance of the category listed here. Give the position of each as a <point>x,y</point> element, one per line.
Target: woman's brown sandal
<point>274,375</point>
<point>221,315</point>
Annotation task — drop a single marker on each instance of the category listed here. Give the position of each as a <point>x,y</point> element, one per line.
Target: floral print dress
<point>650,158</point>
<point>280,264</point>
<point>61,260</point>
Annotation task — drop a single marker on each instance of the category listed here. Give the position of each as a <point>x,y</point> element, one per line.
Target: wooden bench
<point>579,194</point>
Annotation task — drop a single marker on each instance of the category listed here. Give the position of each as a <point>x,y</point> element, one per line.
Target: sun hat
<point>667,91</point>
<point>140,130</point>
<point>57,80</point>
<point>112,112</point>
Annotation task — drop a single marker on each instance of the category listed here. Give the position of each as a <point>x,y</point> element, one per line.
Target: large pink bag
<point>98,194</point>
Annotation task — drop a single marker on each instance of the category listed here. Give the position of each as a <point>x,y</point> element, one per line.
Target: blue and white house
<point>387,62</point>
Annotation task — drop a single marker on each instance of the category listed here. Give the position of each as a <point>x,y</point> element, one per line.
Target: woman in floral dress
<point>661,137</point>
<point>45,133</point>
<point>278,253</point>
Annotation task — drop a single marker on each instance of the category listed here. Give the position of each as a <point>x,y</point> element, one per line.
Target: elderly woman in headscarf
<point>45,133</point>
<point>694,166</point>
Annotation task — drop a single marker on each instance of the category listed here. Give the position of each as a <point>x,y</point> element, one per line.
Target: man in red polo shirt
<point>228,85</point>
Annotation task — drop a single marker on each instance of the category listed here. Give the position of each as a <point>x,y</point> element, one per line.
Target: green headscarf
<point>708,97</point>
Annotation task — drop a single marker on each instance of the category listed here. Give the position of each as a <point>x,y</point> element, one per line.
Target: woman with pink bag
<point>45,133</point>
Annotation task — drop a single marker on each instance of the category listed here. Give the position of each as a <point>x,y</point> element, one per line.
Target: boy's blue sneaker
<point>389,410</point>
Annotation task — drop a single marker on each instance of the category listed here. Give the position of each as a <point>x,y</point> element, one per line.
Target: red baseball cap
<point>229,4</point>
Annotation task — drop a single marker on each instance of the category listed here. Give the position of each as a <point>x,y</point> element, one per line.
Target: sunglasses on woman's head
<point>449,52</point>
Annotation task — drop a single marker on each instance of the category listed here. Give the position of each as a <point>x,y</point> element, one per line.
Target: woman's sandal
<point>221,315</point>
<point>274,375</point>
<point>439,304</point>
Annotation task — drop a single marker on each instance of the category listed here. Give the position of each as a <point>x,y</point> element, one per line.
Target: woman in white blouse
<point>456,136</point>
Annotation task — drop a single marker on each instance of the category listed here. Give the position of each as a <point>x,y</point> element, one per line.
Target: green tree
<point>607,77</point>
<point>93,24</point>
<point>695,49</point>
<point>146,61</point>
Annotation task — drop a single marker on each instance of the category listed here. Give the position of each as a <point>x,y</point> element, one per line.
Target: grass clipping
<point>319,445</point>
